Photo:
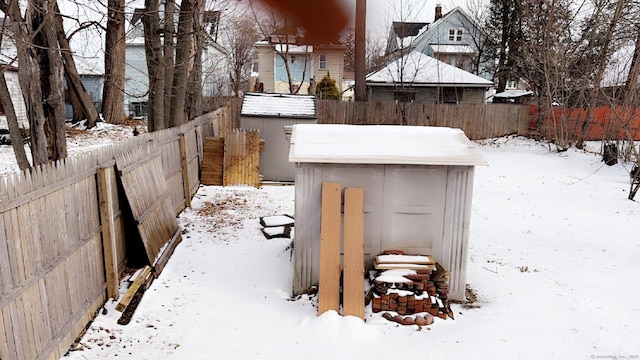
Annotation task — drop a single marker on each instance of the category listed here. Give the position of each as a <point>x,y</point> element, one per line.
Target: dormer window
<point>455,34</point>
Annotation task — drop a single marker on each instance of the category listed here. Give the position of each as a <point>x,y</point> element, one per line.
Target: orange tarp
<point>611,123</point>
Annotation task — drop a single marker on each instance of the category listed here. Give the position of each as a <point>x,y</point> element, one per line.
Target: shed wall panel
<point>274,160</point>
<point>453,251</point>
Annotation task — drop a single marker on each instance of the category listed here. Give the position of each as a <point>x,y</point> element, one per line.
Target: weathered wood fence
<point>66,230</point>
<point>478,121</point>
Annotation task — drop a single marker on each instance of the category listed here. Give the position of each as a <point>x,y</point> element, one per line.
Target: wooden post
<point>353,284</point>
<point>329,288</point>
<point>106,186</point>
<point>185,171</point>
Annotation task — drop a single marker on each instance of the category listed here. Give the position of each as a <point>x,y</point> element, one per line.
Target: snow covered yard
<point>553,263</point>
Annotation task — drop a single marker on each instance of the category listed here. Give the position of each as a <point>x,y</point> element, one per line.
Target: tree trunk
<point>51,77</point>
<point>29,76</point>
<point>193,102</point>
<point>360,65</point>
<point>183,56</point>
<point>14,129</point>
<point>114,63</point>
<point>169,63</point>
<point>155,65</point>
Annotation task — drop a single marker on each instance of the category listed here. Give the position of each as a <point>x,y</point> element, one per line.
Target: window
<point>404,96</point>
<point>455,34</point>
<point>450,95</point>
<point>322,62</point>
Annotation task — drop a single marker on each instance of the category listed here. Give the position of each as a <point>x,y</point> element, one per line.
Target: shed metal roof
<point>382,144</point>
<point>279,105</point>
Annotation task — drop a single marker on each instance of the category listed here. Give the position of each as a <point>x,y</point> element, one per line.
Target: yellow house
<point>290,68</point>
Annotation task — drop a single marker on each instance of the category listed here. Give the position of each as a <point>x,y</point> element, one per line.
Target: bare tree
<point>239,40</point>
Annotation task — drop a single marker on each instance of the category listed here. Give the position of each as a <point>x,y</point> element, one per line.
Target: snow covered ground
<point>554,264</point>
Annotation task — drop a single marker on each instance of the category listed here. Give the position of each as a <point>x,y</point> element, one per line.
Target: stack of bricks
<point>410,289</point>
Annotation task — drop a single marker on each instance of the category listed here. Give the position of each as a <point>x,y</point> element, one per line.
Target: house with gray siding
<point>419,77</point>
<point>136,75</point>
<point>456,39</point>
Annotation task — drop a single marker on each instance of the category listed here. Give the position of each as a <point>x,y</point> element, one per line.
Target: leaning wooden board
<point>353,288</point>
<point>329,287</point>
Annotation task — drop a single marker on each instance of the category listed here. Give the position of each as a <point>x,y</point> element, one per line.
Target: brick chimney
<point>438,12</point>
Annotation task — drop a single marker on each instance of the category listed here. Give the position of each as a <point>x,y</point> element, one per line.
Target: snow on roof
<point>382,144</point>
<point>279,105</point>
<point>451,49</point>
<point>419,69</point>
<point>508,94</point>
<point>294,49</point>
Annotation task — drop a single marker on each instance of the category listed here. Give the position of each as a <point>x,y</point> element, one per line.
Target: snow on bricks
<point>277,226</point>
<point>415,287</point>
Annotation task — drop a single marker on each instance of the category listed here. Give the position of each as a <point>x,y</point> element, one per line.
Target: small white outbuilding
<point>418,185</point>
<point>273,115</point>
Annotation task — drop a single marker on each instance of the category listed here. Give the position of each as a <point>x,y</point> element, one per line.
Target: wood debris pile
<point>415,287</point>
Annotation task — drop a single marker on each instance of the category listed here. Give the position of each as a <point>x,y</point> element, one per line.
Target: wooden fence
<point>66,234</point>
<point>478,121</point>
<point>608,123</point>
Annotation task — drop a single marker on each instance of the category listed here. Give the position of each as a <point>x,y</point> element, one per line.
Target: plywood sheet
<point>353,291</point>
<point>329,287</point>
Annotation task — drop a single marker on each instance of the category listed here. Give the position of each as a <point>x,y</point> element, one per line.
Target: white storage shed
<point>273,115</point>
<point>418,184</point>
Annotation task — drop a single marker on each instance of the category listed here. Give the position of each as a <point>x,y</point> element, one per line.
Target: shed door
<point>413,210</point>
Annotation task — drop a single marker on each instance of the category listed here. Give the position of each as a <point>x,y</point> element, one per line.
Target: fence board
<point>478,121</point>
<point>242,158</point>
<point>213,161</point>
<point>146,192</point>
<point>52,266</point>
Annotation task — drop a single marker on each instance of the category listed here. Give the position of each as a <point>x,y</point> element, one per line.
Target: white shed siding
<point>417,192</point>
<point>274,160</point>
<point>419,209</point>
<point>453,251</point>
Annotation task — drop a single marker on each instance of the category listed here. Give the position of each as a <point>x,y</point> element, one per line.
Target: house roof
<point>418,69</point>
<point>403,29</point>
<point>382,144</point>
<point>445,19</point>
<point>279,105</point>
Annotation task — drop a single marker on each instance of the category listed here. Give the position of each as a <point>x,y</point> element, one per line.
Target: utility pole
<point>360,65</point>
